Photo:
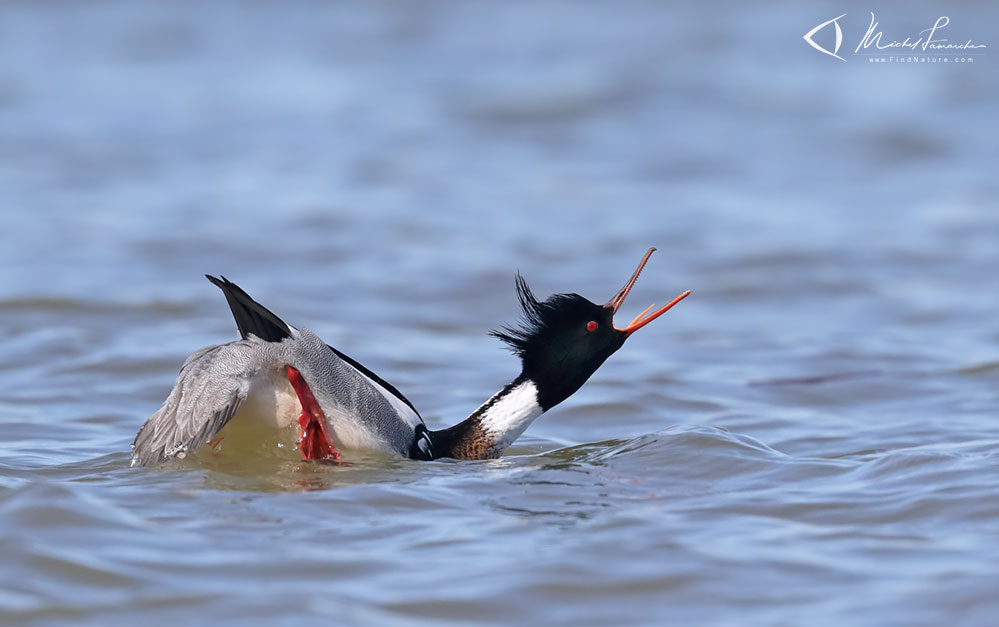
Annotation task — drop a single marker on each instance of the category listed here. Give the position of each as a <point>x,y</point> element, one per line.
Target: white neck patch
<point>509,416</point>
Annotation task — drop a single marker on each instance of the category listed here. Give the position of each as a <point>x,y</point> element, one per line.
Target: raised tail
<point>251,316</point>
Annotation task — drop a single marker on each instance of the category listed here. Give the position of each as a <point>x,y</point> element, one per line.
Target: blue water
<point>810,438</point>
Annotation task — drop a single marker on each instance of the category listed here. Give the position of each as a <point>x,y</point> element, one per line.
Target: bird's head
<point>565,338</point>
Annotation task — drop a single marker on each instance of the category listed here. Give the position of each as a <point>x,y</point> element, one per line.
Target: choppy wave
<point>683,514</point>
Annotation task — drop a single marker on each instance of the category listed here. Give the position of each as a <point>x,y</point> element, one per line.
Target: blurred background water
<point>810,438</point>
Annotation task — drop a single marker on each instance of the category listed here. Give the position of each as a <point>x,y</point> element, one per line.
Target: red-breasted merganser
<point>277,375</point>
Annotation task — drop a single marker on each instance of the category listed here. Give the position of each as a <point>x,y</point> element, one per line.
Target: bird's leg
<point>316,442</point>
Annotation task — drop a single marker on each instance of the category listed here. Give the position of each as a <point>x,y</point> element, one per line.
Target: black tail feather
<point>251,316</point>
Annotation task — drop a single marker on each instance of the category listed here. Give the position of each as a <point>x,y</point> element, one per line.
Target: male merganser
<point>277,375</point>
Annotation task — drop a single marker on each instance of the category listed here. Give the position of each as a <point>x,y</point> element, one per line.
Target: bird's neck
<point>494,425</point>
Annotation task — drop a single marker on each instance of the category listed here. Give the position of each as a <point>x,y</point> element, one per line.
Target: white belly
<point>266,423</point>
<point>272,402</point>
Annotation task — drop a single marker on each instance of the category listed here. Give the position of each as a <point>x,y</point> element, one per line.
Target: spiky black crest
<point>517,338</point>
<point>540,318</point>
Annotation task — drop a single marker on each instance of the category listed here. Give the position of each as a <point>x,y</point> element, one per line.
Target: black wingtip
<point>221,283</point>
<point>251,317</point>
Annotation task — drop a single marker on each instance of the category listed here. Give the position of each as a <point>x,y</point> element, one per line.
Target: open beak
<point>645,317</point>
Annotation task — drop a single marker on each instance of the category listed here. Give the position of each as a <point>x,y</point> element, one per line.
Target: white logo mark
<point>839,38</point>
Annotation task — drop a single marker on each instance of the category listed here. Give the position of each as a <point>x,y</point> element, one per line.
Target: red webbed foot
<point>316,442</point>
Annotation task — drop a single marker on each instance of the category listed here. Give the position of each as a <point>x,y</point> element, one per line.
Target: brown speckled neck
<point>469,439</point>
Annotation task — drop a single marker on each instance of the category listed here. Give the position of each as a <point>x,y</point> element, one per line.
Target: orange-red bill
<point>640,322</point>
<point>641,319</point>
<point>639,316</point>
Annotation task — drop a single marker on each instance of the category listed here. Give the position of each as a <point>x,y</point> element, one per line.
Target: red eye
<point>592,326</point>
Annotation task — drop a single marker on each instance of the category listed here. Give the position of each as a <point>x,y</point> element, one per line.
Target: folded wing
<point>210,388</point>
